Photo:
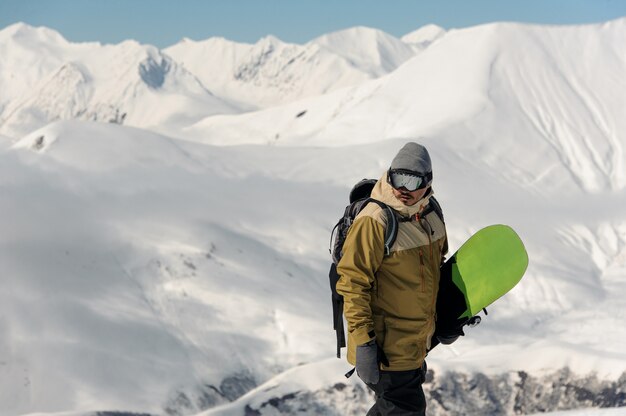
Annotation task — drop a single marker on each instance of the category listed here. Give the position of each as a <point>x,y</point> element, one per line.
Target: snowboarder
<point>390,300</point>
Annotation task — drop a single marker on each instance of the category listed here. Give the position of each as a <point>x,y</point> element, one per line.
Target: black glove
<point>367,362</point>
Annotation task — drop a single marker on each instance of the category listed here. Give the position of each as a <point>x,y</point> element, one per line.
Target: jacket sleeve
<point>363,253</point>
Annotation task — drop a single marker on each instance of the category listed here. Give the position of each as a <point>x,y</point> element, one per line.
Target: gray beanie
<point>413,157</point>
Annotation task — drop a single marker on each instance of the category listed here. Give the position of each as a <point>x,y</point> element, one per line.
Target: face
<point>409,198</point>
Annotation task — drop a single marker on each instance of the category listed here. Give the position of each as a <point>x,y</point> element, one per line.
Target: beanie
<point>413,157</point>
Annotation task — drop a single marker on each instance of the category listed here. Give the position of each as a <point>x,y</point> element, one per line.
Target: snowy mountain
<point>190,80</point>
<point>569,112</point>
<point>47,78</point>
<point>185,273</point>
<point>272,72</point>
<point>424,36</point>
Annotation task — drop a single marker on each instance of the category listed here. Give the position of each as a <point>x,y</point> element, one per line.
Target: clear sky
<point>165,22</point>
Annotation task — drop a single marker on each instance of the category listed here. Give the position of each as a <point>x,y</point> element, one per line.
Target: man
<point>389,301</point>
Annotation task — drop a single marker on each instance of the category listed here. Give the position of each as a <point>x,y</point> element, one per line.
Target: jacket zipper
<point>433,305</point>
<point>428,231</point>
<point>422,271</point>
<point>422,264</point>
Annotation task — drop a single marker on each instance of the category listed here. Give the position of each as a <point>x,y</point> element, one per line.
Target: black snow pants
<point>399,393</point>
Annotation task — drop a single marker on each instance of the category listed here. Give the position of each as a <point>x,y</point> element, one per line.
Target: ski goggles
<point>411,181</point>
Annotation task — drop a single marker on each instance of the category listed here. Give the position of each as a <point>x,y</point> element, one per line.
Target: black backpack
<point>359,198</point>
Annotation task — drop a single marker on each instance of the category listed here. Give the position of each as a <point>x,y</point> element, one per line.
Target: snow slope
<point>471,86</point>
<point>181,236</point>
<point>147,273</point>
<point>155,257</point>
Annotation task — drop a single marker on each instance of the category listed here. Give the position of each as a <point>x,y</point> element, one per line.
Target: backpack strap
<point>433,206</point>
<point>337,301</point>
<point>332,235</point>
<point>391,230</point>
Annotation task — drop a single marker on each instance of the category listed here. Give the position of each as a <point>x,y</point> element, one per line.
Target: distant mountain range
<point>45,78</point>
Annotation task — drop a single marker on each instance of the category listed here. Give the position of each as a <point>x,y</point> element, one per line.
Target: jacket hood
<point>384,192</point>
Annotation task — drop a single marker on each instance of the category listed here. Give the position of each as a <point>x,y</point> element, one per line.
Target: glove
<point>367,362</point>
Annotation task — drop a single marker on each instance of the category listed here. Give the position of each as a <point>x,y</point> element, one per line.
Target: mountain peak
<point>269,40</point>
<point>23,30</point>
<point>425,35</point>
<point>214,41</point>
<point>356,34</point>
<point>374,51</point>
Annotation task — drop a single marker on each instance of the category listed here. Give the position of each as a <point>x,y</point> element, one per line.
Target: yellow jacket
<point>392,297</point>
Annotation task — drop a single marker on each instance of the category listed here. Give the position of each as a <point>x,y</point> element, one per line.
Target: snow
<point>184,244</point>
<point>372,50</point>
<point>47,78</point>
<point>272,72</point>
<point>424,36</point>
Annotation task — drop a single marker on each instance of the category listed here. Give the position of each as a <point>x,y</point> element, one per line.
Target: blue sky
<point>165,22</point>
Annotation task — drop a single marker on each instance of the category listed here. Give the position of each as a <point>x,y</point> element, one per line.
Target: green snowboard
<point>486,267</point>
